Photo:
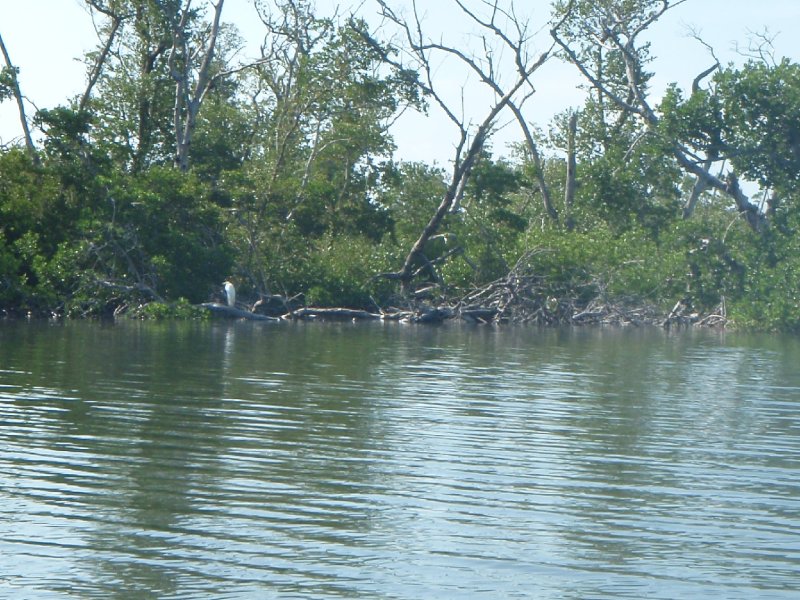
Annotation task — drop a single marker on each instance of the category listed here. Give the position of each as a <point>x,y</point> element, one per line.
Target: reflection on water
<point>360,461</point>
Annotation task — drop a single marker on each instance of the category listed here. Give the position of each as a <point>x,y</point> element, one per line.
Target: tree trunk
<point>700,186</point>
<point>20,103</point>
<point>537,162</point>
<point>421,50</point>
<point>187,107</point>
<point>569,186</point>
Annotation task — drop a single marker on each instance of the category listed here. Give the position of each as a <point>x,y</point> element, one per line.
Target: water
<point>383,461</point>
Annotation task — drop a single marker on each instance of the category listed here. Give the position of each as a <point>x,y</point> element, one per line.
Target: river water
<point>386,461</point>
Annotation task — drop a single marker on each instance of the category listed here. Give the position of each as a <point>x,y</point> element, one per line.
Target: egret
<point>230,293</point>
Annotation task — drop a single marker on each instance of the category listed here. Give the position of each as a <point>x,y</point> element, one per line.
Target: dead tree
<point>191,86</point>
<point>166,32</point>
<point>421,52</point>
<point>712,155</point>
<point>607,26</point>
<point>517,45</point>
<point>116,20</point>
<point>13,83</point>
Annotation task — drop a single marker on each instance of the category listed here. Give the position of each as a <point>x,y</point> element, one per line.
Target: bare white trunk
<point>20,103</point>
<point>188,102</point>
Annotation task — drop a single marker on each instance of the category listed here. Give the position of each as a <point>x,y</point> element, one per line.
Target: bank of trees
<point>181,164</point>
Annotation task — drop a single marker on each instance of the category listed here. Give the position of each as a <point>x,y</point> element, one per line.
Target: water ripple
<point>420,463</point>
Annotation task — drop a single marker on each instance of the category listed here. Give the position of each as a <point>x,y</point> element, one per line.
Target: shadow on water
<point>235,460</point>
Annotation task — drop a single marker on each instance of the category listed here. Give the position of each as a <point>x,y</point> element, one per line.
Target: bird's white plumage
<point>230,293</point>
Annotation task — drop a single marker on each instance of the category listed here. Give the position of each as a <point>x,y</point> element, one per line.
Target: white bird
<point>230,293</point>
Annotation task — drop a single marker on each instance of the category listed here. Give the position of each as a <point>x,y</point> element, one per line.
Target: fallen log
<point>431,315</point>
<point>229,312</point>
<point>589,314</point>
<point>336,314</point>
<point>275,305</point>
<point>479,315</point>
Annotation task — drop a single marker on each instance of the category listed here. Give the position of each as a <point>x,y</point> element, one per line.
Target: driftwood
<point>229,312</point>
<point>478,314</point>
<point>511,306</point>
<point>523,296</point>
<point>678,316</point>
<point>336,314</point>
<point>275,305</point>
<point>422,314</point>
<point>430,315</point>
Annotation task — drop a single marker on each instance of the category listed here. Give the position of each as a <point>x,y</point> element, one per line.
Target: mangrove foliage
<point>182,164</point>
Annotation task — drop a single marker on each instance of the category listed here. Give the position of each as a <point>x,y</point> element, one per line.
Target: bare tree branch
<point>17,92</point>
<point>116,22</point>
<point>188,102</point>
<point>760,47</point>
<point>420,50</point>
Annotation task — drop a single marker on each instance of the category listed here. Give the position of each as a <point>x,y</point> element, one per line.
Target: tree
<point>745,118</point>
<point>115,12</point>
<point>760,104</point>
<point>158,62</point>
<point>616,170</point>
<point>592,32</point>
<point>491,223</point>
<point>319,104</point>
<point>419,52</point>
<point>190,67</point>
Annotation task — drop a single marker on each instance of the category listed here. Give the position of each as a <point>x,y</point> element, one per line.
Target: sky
<point>47,38</point>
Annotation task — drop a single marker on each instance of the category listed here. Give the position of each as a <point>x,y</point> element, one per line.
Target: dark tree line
<point>181,165</point>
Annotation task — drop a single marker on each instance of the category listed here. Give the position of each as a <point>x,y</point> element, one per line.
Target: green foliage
<point>293,188</point>
<point>768,295</point>
<point>761,108</point>
<point>220,144</point>
<point>772,301</point>
<point>161,311</point>
<point>315,167</point>
<point>586,264</point>
<point>748,117</point>
<point>32,200</point>
<point>626,193</point>
<point>341,274</point>
<point>11,281</point>
<point>489,224</point>
<point>697,120</point>
<point>596,15</point>
<point>76,237</point>
<point>165,233</point>
<point>8,79</point>
<point>411,192</point>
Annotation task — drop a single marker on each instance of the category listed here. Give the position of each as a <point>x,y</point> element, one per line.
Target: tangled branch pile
<point>525,296</point>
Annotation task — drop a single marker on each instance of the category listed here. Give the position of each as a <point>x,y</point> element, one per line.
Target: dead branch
<point>335,314</point>
<point>116,22</point>
<point>698,80</point>
<point>188,101</point>
<point>421,49</point>
<point>17,92</point>
<point>229,312</point>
